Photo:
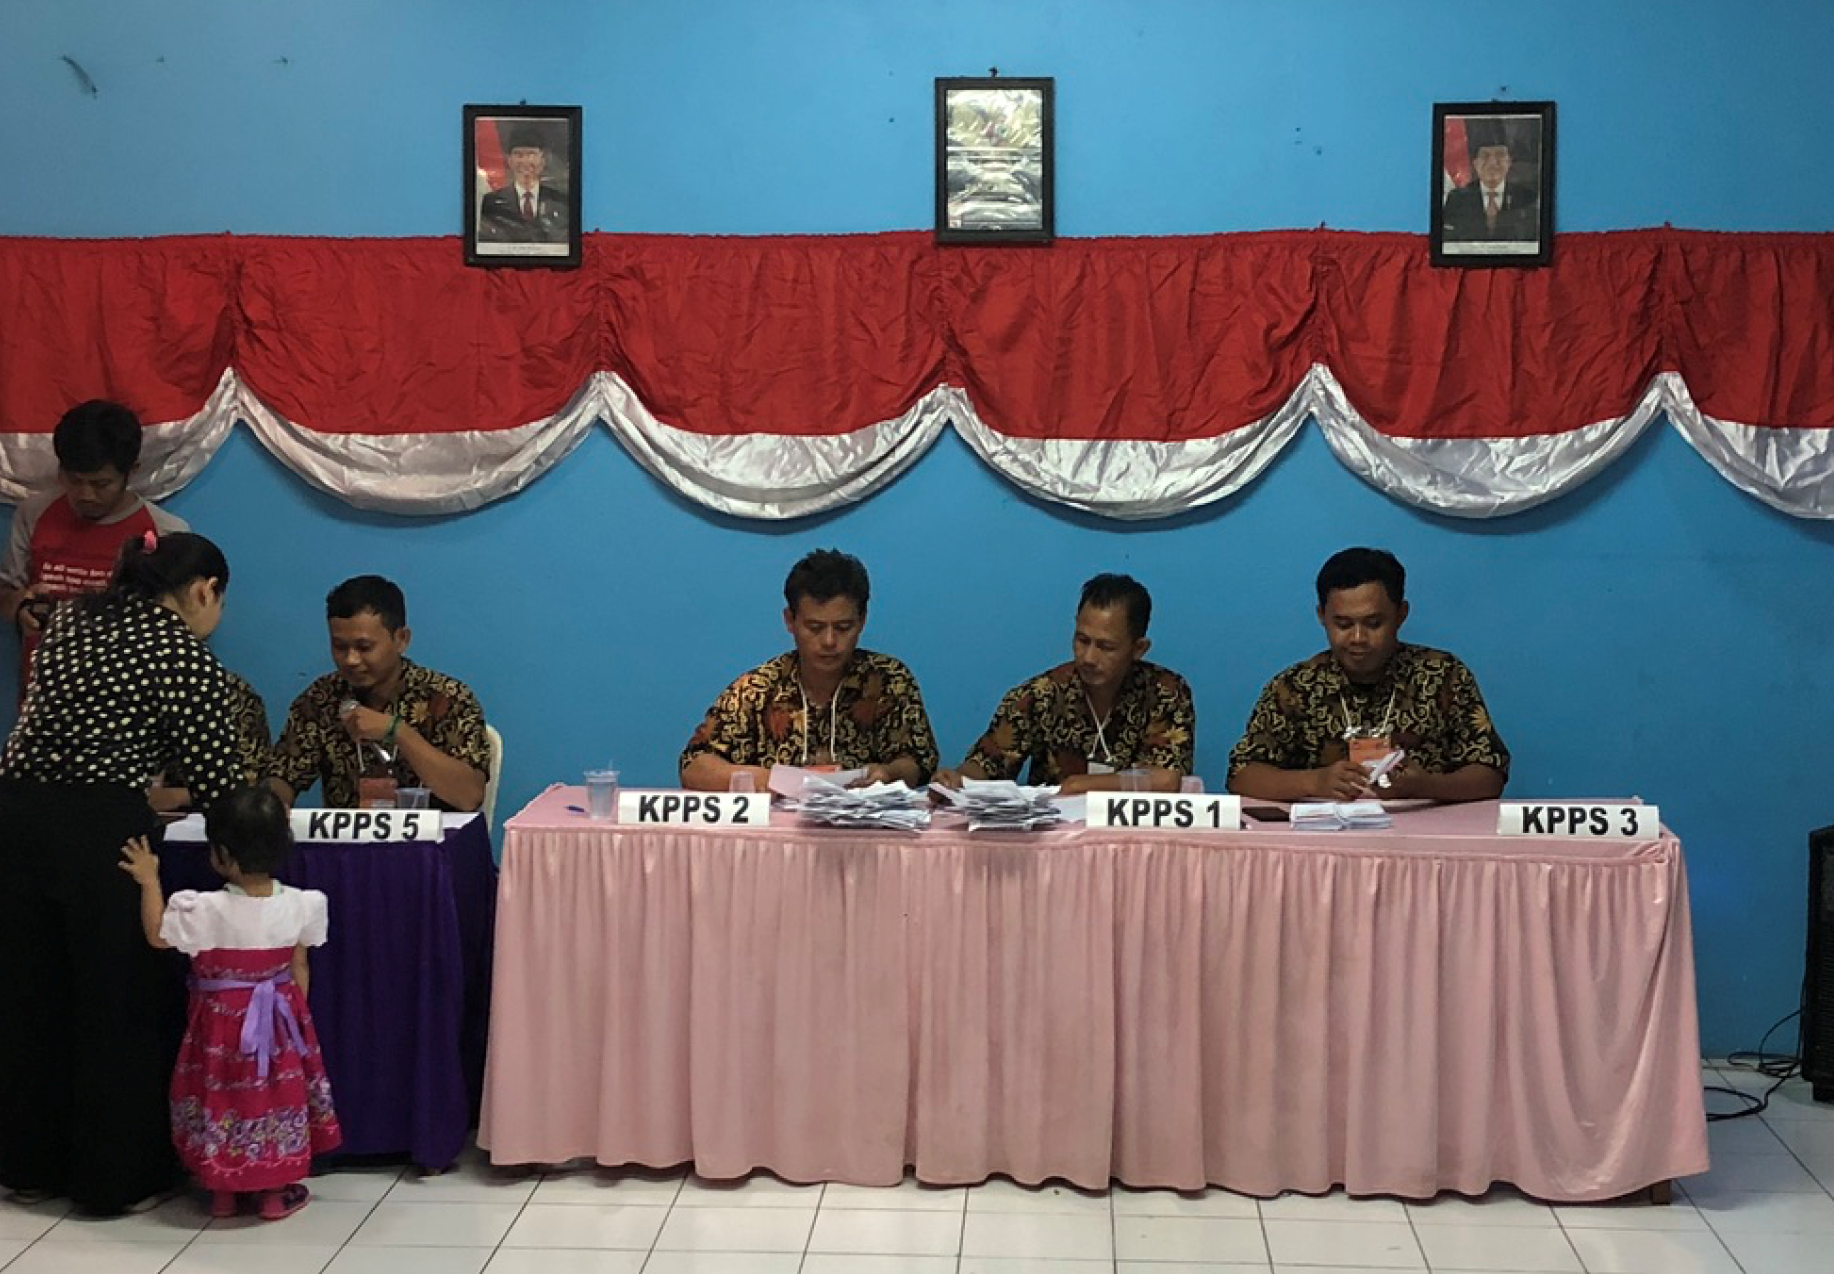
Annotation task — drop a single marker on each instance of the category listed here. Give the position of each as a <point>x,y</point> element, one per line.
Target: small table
<point>400,993</point>
<point>1428,1008</point>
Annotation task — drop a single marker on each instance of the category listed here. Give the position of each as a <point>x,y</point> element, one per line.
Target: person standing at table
<point>1106,710</point>
<point>123,688</point>
<point>826,703</point>
<point>63,544</point>
<point>250,1102</point>
<point>254,742</point>
<point>380,714</point>
<point>1318,724</point>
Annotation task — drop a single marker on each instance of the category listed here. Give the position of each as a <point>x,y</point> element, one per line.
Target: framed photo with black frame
<point>1493,183</point>
<point>522,186</point>
<point>994,148</point>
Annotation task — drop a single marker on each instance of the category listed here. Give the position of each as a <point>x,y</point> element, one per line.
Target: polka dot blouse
<point>122,696</point>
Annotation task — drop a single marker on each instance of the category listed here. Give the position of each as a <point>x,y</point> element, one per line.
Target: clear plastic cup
<point>742,781</point>
<point>412,798</point>
<point>602,794</point>
<point>1133,780</point>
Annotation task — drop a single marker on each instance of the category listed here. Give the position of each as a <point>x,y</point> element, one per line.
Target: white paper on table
<point>787,780</point>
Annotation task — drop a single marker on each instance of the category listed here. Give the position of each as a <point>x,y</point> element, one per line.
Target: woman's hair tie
<point>148,541</point>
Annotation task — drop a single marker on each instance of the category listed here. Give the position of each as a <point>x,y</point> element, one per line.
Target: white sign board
<point>1590,820</point>
<point>697,809</point>
<point>366,825</point>
<point>1166,811</point>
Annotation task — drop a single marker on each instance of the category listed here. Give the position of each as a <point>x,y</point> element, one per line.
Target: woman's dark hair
<point>250,826</point>
<point>152,566</point>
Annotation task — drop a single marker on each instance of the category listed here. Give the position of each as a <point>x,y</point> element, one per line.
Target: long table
<point>400,993</point>
<point>1401,1012</point>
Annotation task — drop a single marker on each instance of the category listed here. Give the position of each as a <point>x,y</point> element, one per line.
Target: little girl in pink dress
<point>250,1102</point>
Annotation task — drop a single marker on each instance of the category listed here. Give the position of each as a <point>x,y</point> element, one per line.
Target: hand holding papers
<point>1001,804</point>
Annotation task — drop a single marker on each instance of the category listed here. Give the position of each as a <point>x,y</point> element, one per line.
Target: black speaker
<point>1818,983</point>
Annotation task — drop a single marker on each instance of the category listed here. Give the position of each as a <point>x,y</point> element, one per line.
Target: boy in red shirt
<point>65,543</point>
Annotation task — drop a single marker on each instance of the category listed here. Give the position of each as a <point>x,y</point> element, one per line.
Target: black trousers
<point>90,1014</point>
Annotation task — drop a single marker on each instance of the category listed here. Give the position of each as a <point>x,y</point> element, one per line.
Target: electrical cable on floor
<point>1777,1067</point>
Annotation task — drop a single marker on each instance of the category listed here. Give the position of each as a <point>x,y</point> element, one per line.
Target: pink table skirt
<point>1428,1009</point>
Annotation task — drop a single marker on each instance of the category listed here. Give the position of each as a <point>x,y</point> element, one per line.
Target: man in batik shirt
<point>1107,710</point>
<point>1319,726</point>
<point>380,718</point>
<point>825,704</point>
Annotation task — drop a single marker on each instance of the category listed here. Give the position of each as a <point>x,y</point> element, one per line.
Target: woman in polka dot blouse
<point>123,689</point>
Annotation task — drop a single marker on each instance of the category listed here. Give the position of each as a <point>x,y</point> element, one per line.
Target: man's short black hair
<point>250,826</point>
<point>1353,568</point>
<point>1106,590</point>
<point>371,593</point>
<point>825,575</point>
<point>97,435</point>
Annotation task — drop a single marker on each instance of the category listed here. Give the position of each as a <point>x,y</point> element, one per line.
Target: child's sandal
<point>224,1204</point>
<point>284,1202</point>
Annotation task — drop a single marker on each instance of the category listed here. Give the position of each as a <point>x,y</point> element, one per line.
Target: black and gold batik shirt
<point>765,718</point>
<point>1050,723</point>
<point>314,746</point>
<point>1425,701</point>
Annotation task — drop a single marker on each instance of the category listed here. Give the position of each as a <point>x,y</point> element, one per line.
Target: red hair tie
<point>149,541</point>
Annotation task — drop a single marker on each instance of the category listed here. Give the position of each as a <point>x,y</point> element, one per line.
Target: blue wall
<point>1655,633</point>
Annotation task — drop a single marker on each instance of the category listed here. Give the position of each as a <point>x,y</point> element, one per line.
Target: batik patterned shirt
<point>315,747</point>
<point>1048,722</point>
<point>1425,701</point>
<point>764,718</point>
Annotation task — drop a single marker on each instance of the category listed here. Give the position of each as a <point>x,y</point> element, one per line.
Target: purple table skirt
<point>401,992</point>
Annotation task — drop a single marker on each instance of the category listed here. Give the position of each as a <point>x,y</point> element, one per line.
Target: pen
<point>577,809</point>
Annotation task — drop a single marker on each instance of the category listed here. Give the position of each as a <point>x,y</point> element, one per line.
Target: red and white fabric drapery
<point>774,377</point>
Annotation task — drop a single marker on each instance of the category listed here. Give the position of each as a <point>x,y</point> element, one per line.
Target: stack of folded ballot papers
<point>889,805</point>
<point>1339,816</point>
<point>1001,804</point>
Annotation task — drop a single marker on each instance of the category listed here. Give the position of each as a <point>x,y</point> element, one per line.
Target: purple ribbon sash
<point>265,1004</point>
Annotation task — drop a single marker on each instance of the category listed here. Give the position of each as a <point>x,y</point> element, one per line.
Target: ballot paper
<point>883,805</point>
<point>786,780</point>
<point>1379,769</point>
<point>1003,805</point>
<point>1339,816</point>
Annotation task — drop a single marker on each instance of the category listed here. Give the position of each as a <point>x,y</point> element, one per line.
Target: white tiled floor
<point>1767,1207</point>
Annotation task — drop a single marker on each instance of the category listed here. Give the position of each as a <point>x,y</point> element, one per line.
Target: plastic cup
<point>411,798</point>
<point>602,794</point>
<point>1191,785</point>
<point>1133,780</point>
<point>742,781</point>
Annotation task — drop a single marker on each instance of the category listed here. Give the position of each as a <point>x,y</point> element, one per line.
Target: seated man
<point>825,703</point>
<point>380,715</point>
<point>1105,711</point>
<point>65,543</point>
<point>1320,723</point>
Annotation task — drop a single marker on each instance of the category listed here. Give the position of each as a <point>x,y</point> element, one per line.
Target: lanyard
<point>1351,729</point>
<point>1101,731</point>
<point>834,706</point>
